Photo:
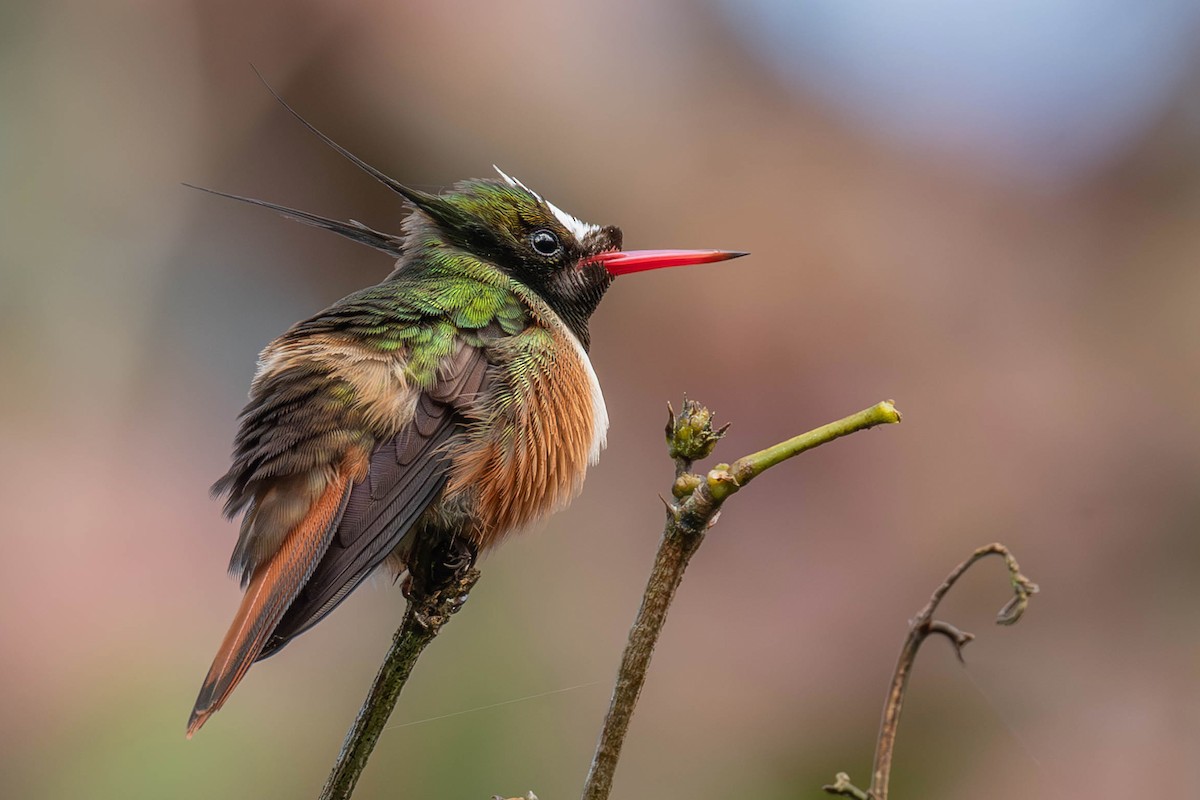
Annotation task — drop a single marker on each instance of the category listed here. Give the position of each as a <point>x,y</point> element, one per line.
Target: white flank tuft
<point>599,410</point>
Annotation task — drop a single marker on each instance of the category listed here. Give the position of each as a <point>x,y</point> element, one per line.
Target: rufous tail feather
<point>271,590</point>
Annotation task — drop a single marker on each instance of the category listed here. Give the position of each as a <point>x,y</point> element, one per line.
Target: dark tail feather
<point>273,588</point>
<point>355,231</point>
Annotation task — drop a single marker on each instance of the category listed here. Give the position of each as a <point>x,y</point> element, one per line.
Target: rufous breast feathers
<point>541,426</point>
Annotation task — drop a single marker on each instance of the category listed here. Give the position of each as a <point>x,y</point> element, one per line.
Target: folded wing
<point>407,474</point>
<point>364,509</point>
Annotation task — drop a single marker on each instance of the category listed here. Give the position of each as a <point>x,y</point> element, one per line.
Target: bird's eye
<point>545,243</point>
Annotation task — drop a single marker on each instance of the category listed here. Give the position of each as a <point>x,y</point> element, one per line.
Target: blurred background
<point>987,211</point>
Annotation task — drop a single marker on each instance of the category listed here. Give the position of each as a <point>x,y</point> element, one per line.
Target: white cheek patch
<point>578,228</point>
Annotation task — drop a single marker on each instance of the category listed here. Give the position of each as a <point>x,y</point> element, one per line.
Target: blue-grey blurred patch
<point>1044,92</point>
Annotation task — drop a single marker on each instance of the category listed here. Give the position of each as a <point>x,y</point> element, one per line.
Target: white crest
<point>511,181</point>
<point>578,228</point>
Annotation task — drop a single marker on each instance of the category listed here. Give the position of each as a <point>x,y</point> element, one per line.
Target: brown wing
<point>407,474</point>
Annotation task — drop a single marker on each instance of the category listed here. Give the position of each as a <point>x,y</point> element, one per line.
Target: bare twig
<point>923,626</point>
<point>429,608</point>
<point>690,437</point>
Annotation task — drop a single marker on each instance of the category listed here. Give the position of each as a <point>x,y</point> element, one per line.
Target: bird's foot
<point>442,604</point>
<point>461,556</point>
<point>447,582</point>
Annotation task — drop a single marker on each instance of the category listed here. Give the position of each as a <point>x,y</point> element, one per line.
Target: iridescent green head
<point>512,227</point>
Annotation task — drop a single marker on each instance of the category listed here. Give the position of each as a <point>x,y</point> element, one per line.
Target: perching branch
<point>921,628</point>
<point>430,604</point>
<point>690,437</point>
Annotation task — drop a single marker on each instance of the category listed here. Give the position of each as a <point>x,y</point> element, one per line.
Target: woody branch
<point>698,498</point>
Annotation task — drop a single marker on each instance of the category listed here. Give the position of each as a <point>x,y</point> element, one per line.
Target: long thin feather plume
<point>352,229</point>
<point>421,199</point>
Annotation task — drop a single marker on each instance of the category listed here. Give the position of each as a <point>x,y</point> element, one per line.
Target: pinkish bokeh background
<point>989,212</point>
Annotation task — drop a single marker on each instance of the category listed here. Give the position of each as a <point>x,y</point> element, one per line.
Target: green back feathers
<point>466,266</point>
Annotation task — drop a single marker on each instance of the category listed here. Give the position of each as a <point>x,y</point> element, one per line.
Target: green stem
<point>749,467</point>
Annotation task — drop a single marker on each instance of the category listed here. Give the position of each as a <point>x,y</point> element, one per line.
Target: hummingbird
<point>453,399</point>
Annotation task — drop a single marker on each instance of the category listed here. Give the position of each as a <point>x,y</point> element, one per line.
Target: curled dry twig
<point>922,627</point>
